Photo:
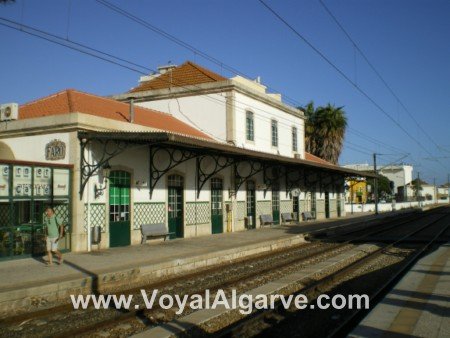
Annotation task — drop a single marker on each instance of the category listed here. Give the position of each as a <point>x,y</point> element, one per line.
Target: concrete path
<point>418,306</point>
<point>27,281</point>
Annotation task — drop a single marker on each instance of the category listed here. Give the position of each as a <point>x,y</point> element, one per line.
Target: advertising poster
<point>4,180</point>
<point>61,182</point>
<point>42,181</point>
<point>21,181</point>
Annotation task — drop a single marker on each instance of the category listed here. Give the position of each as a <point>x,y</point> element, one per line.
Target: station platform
<point>418,306</point>
<point>26,283</point>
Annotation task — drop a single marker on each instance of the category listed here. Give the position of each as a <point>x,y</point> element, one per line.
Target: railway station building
<point>186,148</point>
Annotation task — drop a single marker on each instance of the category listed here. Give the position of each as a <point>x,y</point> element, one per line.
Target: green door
<point>327,205</point>
<point>175,190</point>
<point>216,206</point>
<point>251,203</point>
<point>119,209</point>
<point>276,204</point>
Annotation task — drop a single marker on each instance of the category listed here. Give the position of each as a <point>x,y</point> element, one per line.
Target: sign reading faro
<point>55,150</point>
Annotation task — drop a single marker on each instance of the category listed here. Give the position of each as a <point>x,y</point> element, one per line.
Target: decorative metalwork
<point>244,170</point>
<point>164,159</point>
<point>272,174</point>
<point>110,149</point>
<point>295,178</point>
<point>205,170</point>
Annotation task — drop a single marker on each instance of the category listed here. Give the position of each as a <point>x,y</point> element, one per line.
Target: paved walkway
<point>418,306</point>
<point>21,273</point>
<point>25,281</point>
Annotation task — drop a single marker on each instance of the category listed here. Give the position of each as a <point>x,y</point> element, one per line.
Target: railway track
<point>289,323</point>
<point>249,272</point>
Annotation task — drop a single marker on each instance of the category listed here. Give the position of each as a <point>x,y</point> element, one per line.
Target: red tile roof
<point>71,101</point>
<point>187,74</point>
<point>313,158</point>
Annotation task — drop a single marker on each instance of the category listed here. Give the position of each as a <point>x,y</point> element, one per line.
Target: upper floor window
<point>294,139</point>
<point>274,133</point>
<point>249,126</point>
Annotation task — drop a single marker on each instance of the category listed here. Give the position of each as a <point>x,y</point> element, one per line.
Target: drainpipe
<point>88,218</point>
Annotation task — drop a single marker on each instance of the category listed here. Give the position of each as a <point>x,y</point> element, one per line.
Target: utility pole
<point>375,182</point>
<point>448,187</point>
<point>418,187</point>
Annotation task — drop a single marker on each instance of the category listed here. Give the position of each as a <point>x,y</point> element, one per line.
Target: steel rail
<point>260,315</point>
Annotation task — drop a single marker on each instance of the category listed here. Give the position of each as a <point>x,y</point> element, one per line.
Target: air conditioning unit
<point>298,156</point>
<point>9,111</point>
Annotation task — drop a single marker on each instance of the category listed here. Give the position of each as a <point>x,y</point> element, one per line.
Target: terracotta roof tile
<point>187,74</point>
<point>313,158</point>
<point>71,101</point>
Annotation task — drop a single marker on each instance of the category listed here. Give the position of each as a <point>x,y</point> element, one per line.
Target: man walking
<point>54,231</point>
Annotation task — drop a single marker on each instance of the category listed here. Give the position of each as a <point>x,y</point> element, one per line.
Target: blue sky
<point>406,40</point>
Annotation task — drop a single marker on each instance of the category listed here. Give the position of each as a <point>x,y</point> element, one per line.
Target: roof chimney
<point>166,68</point>
<point>132,110</point>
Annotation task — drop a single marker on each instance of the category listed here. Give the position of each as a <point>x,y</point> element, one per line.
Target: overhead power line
<point>345,76</point>
<point>121,62</point>
<point>185,45</point>
<point>356,46</point>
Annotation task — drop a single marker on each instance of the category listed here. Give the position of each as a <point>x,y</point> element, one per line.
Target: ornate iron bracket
<point>204,173</point>
<point>241,176</point>
<point>272,174</point>
<point>294,178</point>
<point>111,148</point>
<point>169,159</point>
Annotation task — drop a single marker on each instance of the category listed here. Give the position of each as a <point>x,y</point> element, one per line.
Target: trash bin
<point>96,235</point>
<point>249,222</point>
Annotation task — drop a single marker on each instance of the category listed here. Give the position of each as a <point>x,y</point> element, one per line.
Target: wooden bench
<point>266,220</point>
<point>308,215</point>
<point>154,230</point>
<point>286,217</point>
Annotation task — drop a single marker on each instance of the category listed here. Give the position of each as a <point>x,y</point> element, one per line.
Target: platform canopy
<point>211,157</point>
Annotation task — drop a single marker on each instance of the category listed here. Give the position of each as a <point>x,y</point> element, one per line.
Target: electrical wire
<point>355,45</point>
<point>185,45</point>
<point>345,76</point>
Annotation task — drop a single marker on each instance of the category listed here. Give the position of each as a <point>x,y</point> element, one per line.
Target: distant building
<point>356,190</point>
<point>401,175</point>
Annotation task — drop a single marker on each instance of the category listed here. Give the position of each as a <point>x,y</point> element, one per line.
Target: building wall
<point>204,112</point>
<point>263,114</point>
<point>20,146</point>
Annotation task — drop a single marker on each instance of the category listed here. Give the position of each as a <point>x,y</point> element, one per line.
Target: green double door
<point>216,206</point>
<point>119,209</point>
<point>276,204</point>
<point>175,204</point>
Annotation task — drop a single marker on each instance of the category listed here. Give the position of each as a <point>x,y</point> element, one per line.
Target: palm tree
<point>324,131</point>
<point>310,111</point>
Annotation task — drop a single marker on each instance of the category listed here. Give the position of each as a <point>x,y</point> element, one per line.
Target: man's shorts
<point>52,244</point>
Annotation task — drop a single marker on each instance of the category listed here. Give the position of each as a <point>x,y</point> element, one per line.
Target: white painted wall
<point>385,207</point>
<point>204,112</point>
<point>263,114</point>
<point>32,148</point>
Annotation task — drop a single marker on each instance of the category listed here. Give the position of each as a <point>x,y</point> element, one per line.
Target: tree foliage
<point>384,187</point>
<point>324,131</point>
